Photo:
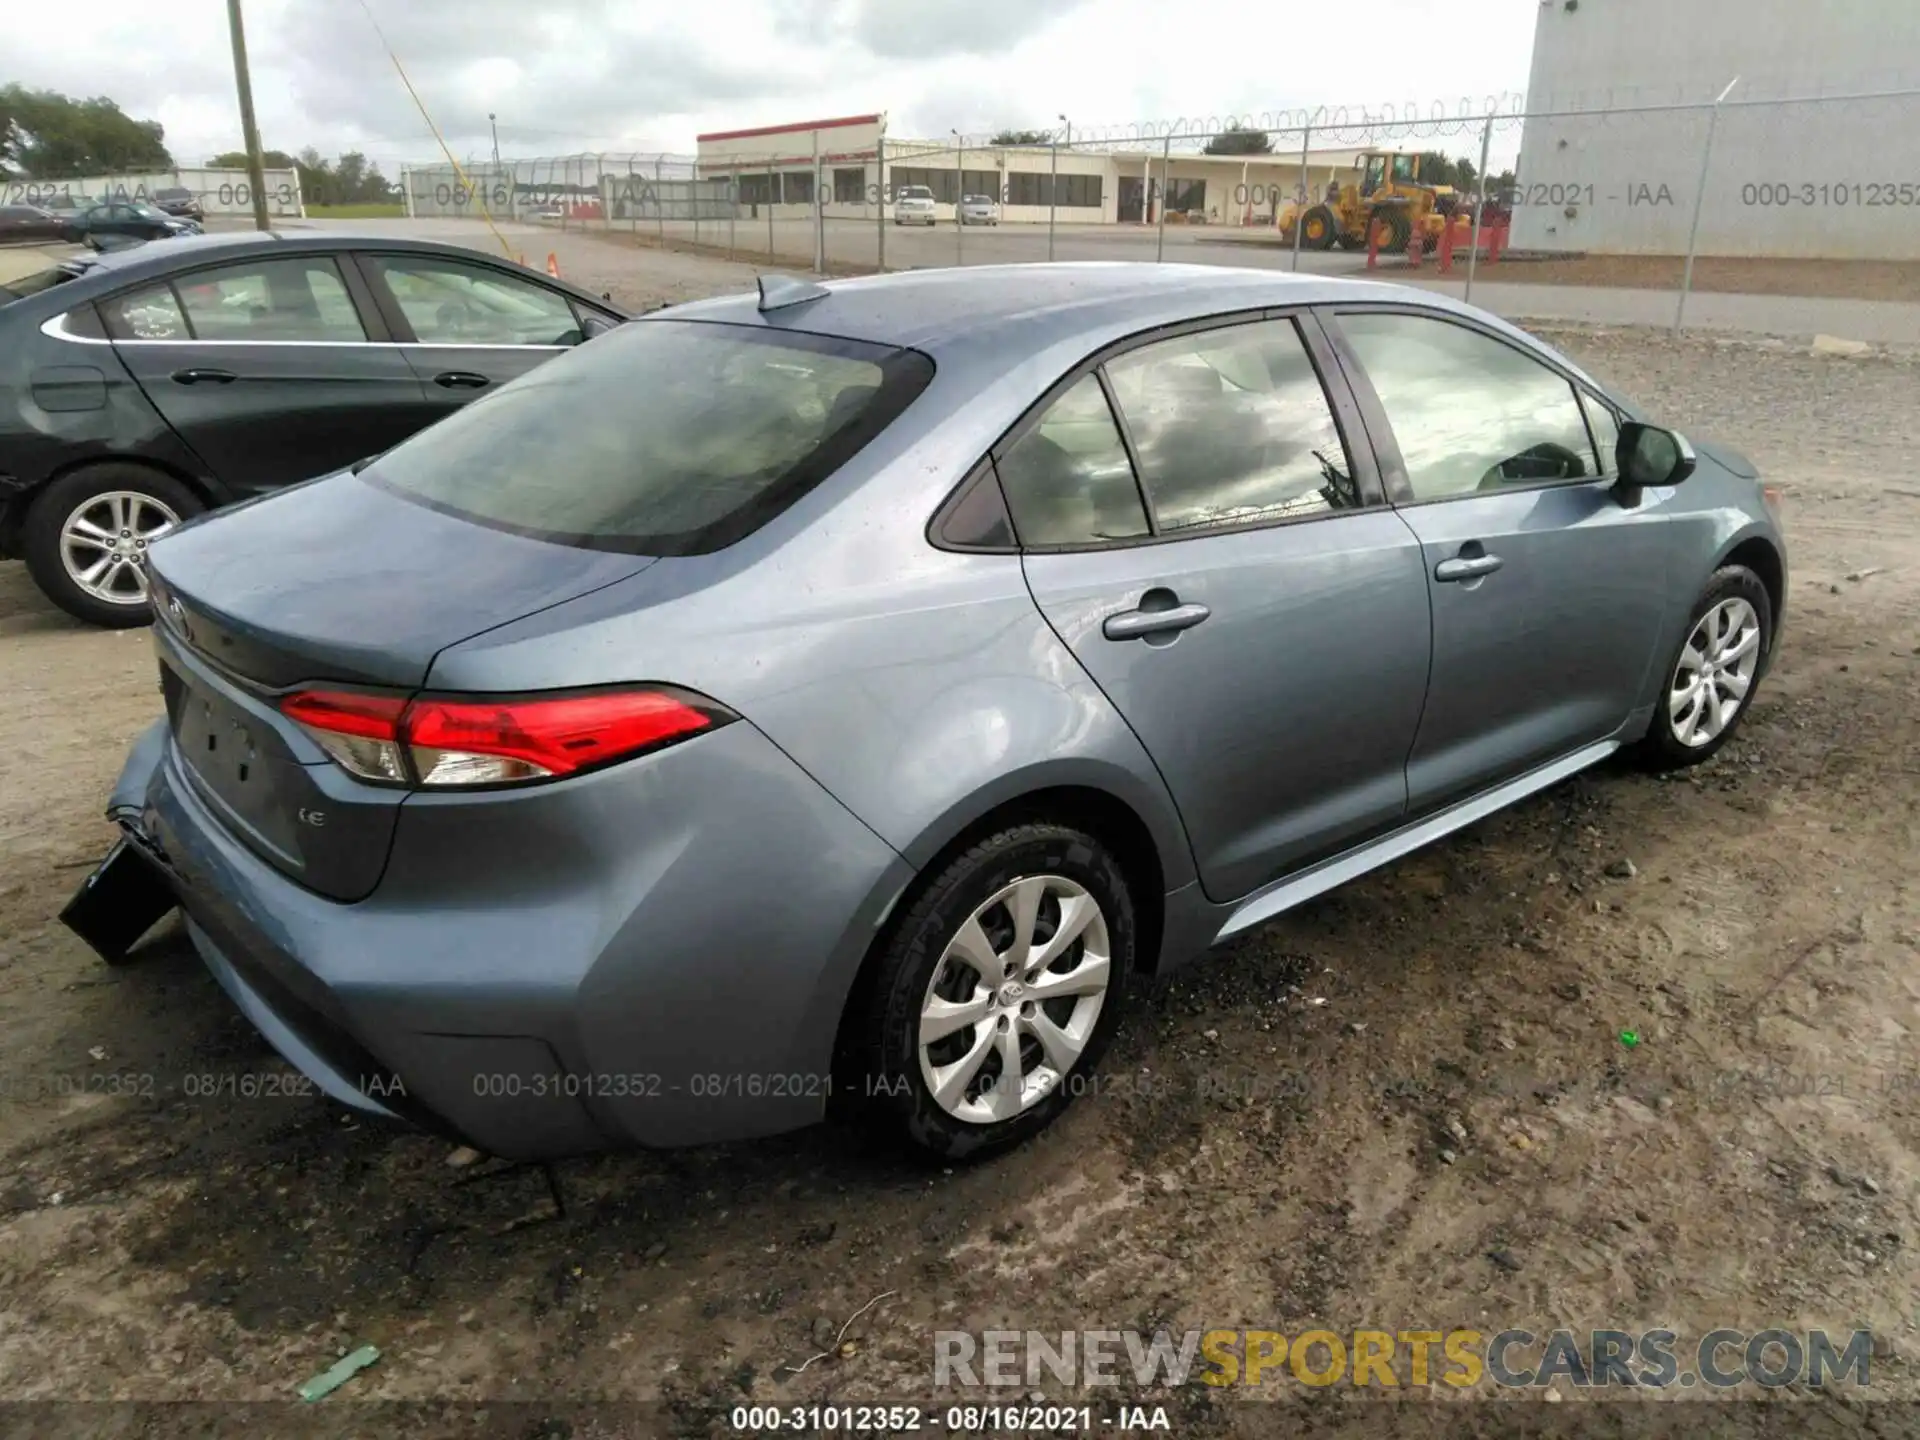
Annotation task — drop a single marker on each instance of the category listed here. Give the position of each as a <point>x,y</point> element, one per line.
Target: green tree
<point>1021,137</point>
<point>1239,140</point>
<point>237,160</point>
<point>45,135</point>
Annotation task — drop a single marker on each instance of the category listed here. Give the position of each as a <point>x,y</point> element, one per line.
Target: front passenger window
<point>1470,413</point>
<point>450,303</point>
<point>1068,480</point>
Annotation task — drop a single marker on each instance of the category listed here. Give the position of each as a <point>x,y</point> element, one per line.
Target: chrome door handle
<point>1136,624</point>
<point>1467,568</point>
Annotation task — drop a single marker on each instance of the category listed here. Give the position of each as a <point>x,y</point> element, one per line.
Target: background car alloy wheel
<point>1715,672</point>
<point>995,990</point>
<point>103,544</point>
<point>87,535</point>
<point>1014,999</point>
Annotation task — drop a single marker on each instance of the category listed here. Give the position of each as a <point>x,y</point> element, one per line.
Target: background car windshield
<point>664,437</point>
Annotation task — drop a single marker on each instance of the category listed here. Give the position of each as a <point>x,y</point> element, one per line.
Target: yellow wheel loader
<point>1384,195</point>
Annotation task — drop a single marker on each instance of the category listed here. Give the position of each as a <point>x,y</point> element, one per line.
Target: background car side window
<point>1470,413</point>
<point>1232,426</point>
<point>1068,480</point>
<point>149,314</point>
<point>300,299</point>
<point>448,303</point>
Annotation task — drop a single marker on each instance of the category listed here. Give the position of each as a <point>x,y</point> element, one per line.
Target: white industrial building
<point>854,166</point>
<point>1807,176</point>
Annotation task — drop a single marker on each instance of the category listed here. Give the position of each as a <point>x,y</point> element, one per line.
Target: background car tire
<point>917,948</point>
<point>41,536</point>
<point>1664,747</point>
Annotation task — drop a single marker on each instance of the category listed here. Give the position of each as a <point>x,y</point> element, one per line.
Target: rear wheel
<point>998,990</point>
<point>1711,681</point>
<point>86,537</point>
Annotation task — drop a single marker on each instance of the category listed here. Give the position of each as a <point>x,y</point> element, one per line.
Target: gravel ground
<point>1421,1113</point>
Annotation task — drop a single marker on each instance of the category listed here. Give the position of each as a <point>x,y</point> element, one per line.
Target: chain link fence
<point>1653,197</point>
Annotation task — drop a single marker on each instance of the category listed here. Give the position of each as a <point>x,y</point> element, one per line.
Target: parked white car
<point>913,205</point>
<point>979,210</point>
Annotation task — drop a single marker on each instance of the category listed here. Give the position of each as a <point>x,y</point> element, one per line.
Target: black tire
<point>915,946</point>
<point>1662,749</point>
<point>40,536</point>
<point>1399,230</point>
<point>1318,229</point>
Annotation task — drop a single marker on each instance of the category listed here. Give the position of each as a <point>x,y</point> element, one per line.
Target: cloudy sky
<point>570,75</point>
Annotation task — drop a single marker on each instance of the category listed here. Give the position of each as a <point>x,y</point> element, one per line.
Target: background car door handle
<point>203,377</point>
<point>1468,567</point>
<point>1135,624</point>
<point>461,380</point>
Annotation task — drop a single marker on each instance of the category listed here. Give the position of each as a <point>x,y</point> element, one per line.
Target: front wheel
<point>86,537</point>
<point>1711,681</point>
<point>998,990</point>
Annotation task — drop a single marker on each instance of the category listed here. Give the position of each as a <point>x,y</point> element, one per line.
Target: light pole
<point>249,132</point>
<point>959,197</point>
<point>1053,185</point>
<point>496,139</point>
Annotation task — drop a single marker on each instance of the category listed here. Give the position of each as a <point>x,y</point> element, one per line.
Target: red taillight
<point>340,712</point>
<point>453,740</point>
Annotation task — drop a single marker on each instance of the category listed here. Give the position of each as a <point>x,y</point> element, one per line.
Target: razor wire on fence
<point>1827,177</point>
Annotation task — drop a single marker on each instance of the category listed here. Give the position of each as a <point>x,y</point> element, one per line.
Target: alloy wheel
<point>103,544</point>
<point>1714,673</point>
<point>1014,999</point>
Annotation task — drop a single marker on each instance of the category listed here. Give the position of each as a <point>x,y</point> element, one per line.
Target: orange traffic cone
<point>523,259</point>
<point>553,265</point>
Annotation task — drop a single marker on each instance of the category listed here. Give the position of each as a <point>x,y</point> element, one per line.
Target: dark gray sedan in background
<point>852,692</point>
<point>142,386</point>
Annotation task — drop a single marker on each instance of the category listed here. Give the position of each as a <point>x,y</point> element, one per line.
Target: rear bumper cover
<point>656,954</point>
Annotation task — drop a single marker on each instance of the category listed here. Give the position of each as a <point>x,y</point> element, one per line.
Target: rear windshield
<point>38,281</point>
<point>660,437</point>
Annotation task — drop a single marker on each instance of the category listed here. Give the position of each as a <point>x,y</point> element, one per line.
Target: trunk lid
<point>333,583</point>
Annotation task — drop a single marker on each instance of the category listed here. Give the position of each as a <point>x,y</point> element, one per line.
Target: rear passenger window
<point>286,300</point>
<point>303,299</point>
<point>1232,427</point>
<point>1068,480</point>
<point>150,314</point>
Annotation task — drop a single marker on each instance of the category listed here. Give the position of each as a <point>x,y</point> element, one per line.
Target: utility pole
<point>249,132</point>
<point>496,139</point>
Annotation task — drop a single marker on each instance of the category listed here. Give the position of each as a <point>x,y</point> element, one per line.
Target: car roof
<point>110,268</point>
<point>937,309</point>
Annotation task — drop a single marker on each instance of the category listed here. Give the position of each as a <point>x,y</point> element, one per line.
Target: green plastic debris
<point>1629,1038</point>
<point>328,1381</point>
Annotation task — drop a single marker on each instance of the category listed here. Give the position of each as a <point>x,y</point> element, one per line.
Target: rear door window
<point>1068,480</point>
<point>295,300</point>
<point>662,437</point>
<point>1232,427</point>
<point>298,300</point>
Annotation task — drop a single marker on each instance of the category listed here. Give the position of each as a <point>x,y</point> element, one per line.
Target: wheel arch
<point>1758,553</point>
<point>14,507</point>
<point>1092,807</point>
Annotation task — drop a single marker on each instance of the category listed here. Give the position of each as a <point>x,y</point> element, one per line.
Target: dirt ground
<point>1722,275</point>
<point>1408,1078</point>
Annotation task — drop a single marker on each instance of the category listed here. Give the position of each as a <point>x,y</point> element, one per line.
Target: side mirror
<point>1648,455</point>
<point>595,325</point>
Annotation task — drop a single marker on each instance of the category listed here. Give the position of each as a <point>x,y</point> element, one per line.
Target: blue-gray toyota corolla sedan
<point>857,686</point>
